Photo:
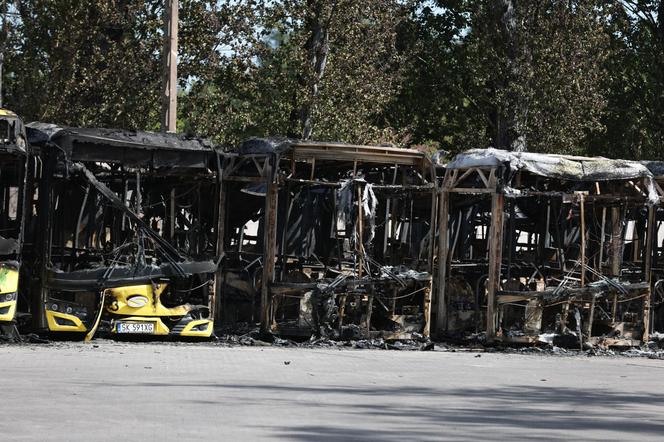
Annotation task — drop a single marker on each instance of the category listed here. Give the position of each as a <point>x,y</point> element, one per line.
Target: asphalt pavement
<point>107,391</point>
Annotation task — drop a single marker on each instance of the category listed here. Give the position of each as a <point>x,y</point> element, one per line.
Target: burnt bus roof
<point>331,151</point>
<point>132,148</point>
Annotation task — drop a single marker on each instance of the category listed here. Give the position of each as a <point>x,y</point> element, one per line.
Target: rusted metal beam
<point>616,241</point>
<point>432,238</point>
<point>269,245</point>
<point>651,238</point>
<point>441,296</point>
<point>495,261</point>
<point>583,239</point>
<point>362,154</point>
<point>221,233</point>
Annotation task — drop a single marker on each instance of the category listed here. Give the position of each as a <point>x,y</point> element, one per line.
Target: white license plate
<point>135,327</point>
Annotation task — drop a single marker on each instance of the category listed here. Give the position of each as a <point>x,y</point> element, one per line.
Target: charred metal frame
<point>553,248</point>
<point>119,208</point>
<point>656,248</point>
<point>14,163</point>
<point>302,257</point>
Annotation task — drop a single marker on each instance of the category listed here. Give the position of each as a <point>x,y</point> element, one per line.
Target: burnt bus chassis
<point>342,246</point>
<point>87,174</point>
<point>116,209</point>
<point>14,162</point>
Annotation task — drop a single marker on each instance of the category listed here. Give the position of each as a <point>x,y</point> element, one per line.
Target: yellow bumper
<point>200,328</point>
<point>62,322</point>
<point>160,328</point>
<point>7,311</point>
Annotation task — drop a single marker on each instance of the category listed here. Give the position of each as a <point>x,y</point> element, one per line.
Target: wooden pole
<point>170,62</point>
<point>495,261</point>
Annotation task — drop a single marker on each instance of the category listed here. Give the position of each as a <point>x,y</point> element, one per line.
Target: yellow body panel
<point>187,331</point>
<point>9,316</point>
<point>55,327</point>
<point>8,280</point>
<point>142,303</point>
<point>8,284</point>
<point>160,328</point>
<point>6,113</point>
<point>120,303</point>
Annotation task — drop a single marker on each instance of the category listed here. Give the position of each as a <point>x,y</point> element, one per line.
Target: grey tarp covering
<point>562,167</point>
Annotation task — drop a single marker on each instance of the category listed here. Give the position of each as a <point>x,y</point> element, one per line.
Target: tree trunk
<point>511,118</point>
<point>318,49</point>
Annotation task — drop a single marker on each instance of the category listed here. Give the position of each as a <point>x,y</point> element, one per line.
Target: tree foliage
<point>574,76</point>
<point>634,87</point>
<point>86,63</point>
<point>301,68</point>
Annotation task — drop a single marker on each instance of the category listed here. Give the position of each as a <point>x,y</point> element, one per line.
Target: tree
<point>635,88</point>
<point>440,101</point>
<point>507,73</point>
<point>575,76</point>
<point>304,68</point>
<point>86,63</point>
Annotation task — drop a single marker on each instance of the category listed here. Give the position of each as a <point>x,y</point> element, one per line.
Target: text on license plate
<point>135,327</point>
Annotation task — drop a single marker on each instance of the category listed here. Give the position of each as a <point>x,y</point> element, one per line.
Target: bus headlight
<point>6,297</point>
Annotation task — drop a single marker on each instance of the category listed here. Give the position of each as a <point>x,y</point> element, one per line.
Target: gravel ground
<point>159,391</point>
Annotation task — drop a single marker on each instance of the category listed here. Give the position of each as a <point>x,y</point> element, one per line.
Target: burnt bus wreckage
<point>657,265</point>
<point>547,248</point>
<point>328,240</point>
<point>123,232</point>
<point>158,234</point>
<point>14,162</point>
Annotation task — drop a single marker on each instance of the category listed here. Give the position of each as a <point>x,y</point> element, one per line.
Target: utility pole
<point>170,56</point>
<point>2,59</point>
<point>2,44</point>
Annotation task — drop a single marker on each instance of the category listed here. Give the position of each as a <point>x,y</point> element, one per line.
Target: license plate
<point>135,327</point>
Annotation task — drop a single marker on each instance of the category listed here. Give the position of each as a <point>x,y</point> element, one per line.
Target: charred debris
<point>14,176</point>
<point>548,248</point>
<point>143,233</point>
